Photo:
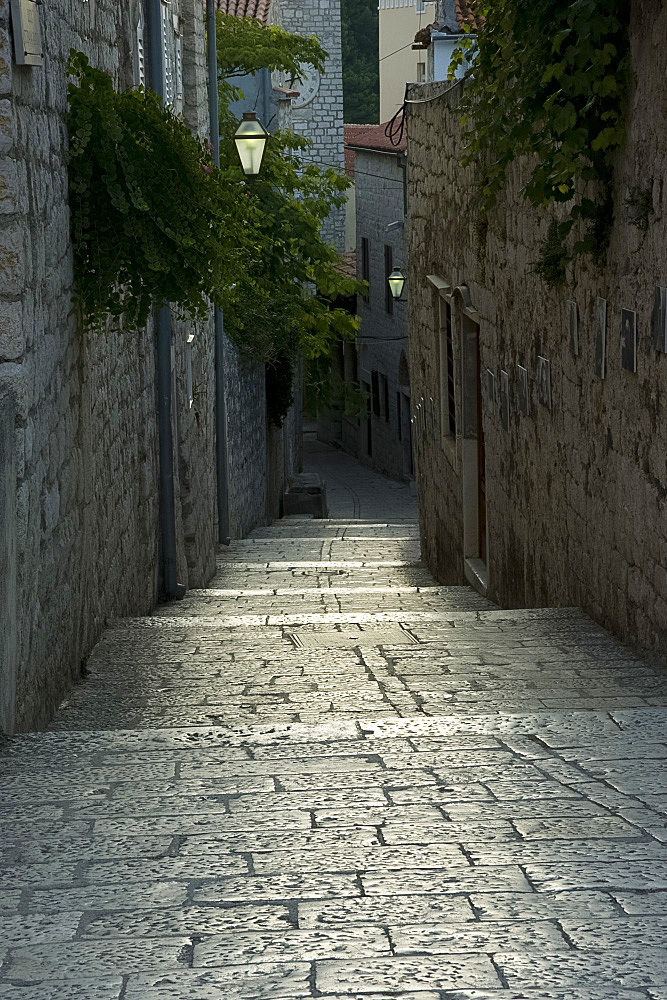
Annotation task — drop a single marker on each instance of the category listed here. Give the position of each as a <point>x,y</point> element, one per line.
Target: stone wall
<point>85,436</point>
<point>383,339</point>
<point>246,443</point>
<point>576,494</point>
<point>318,113</point>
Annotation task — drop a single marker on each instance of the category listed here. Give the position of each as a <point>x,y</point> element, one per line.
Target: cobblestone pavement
<point>328,777</point>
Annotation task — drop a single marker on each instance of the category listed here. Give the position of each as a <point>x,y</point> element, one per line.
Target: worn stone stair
<point>327,776</point>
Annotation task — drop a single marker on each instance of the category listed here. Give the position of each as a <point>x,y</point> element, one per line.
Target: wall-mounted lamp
<point>250,139</point>
<point>396,282</point>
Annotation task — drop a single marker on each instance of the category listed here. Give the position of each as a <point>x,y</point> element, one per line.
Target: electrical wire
<point>395,127</point>
<point>396,51</point>
<point>383,339</point>
<point>366,173</point>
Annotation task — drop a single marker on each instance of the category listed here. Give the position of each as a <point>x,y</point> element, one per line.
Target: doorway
<point>481,464</point>
<point>369,419</point>
<point>475,537</point>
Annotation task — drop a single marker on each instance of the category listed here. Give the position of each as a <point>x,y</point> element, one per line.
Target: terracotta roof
<point>285,92</point>
<point>347,264</point>
<point>373,137</point>
<point>423,36</point>
<point>465,14</point>
<point>351,133</point>
<point>245,8</point>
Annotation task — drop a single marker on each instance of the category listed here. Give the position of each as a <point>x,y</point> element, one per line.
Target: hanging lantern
<point>396,282</point>
<point>250,139</point>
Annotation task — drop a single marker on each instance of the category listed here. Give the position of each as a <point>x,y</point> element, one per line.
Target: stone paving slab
<point>219,811</point>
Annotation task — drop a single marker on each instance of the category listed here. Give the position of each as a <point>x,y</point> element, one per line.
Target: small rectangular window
<point>365,262</point>
<point>388,268</point>
<point>141,52</point>
<point>421,72</point>
<point>375,384</point>
<point>188,370</point>
<point>385,392</point>
<point>447,380</point>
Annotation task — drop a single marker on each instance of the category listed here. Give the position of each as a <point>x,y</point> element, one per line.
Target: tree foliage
<point>283,301</point>
<point>154,220</point>
<point>549,81</point>
<point>245,45</point>
<point>361,82</point>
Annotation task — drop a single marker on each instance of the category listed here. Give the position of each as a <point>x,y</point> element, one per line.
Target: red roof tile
<point>347,264</point>
<point>245,8</point>
<point>373,137</point>
<point>351,133</point>
<point>465,14</point>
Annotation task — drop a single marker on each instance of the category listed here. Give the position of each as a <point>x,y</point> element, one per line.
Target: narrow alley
<point>327,776</point>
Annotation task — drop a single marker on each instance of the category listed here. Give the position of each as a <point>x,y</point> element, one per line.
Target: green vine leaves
<point>152,220</point>
<point>549,82</point>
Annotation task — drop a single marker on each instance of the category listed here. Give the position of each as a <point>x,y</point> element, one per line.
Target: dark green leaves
<point>550,82</point>
<point>152,219</point>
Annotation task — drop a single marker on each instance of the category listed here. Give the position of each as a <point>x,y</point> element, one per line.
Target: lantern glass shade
<point>396,282</point>
<point>250,139</point>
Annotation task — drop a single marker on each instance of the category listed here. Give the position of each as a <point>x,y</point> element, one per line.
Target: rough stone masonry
<point>85,438</point>
<point>576,476</point>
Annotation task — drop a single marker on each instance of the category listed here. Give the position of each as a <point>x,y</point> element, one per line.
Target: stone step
<point>315,601</point>
<point>592,730</point>
<point>380,567</point>
<point>560,622</point>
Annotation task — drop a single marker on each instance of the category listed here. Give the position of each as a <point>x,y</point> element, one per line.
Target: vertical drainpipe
<point>170,585</point>
<point>221,456</point>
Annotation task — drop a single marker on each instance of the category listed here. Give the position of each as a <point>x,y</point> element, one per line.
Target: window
<point>365,262</point>
<point>384,385</point>
<point>173,60</point>
<point>141,51</point>
<point>375,391</point>
<point>421,72</point>
<point>447,382</point>
<point>388,268</point>
<point>188,370</point>
<point>399,416</point>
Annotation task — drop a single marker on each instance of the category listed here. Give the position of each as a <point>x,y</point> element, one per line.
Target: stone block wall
<point>318,113</point>
<point>246,441</point>
<point>576,495</point>
<point>85,433</point>
<point>383,339</point>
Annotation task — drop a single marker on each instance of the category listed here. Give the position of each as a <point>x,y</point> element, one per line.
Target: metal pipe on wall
<point>170,585</point>
<point>221,452</point>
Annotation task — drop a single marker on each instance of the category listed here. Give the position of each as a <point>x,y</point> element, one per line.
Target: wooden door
<point>481,465</point>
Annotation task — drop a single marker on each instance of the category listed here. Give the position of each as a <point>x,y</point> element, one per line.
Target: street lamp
<point>396,282</point>
<point>250,139</point>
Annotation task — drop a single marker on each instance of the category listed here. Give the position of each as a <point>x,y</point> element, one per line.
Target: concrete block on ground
<point>306,494</point>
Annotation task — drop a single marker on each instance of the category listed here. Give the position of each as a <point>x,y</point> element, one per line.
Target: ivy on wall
<point>550,82</point>
<point>152,220</point>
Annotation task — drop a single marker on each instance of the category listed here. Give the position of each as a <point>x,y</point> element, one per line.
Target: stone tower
<point>317,113</point>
